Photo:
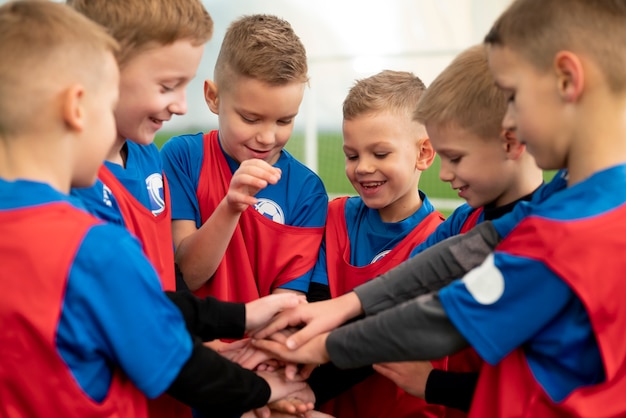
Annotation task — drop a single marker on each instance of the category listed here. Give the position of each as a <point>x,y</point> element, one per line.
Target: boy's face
<point>153,88</point>
<point>478,168</point>
<point>535,107</point>
<point>99,102</point>
<point>256,119</point>
<point>382,151</point>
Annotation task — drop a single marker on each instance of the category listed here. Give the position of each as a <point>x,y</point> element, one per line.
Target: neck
<point>118,153</point>
<point>27,159</point>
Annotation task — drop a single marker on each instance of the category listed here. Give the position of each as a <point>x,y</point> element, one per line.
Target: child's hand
<point>251,176</point>
<point>318,317</point>
<point>409,375</point>
<point>312,352</point>
<point>281,387</point>
<point>261,311</point>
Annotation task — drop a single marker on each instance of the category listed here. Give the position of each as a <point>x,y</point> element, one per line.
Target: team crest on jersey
<point>379,256</point>
<point>154,184</point>
<point>271,210</point>
<point>107,196</point>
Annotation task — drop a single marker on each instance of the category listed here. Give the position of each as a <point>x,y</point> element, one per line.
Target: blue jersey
<point>298,199</point>
<point>512,292</point>
<point>114,311</point>
<point>370,238</point>
<point>142,177</point>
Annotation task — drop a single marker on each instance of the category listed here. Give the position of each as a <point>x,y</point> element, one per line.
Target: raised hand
<point>317,318</point>
<point>409,375</point>
<point>251,176</point>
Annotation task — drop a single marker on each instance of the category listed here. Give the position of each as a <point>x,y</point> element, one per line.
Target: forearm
<point>430,270</point>
<point>216,386</point>
<point>200,253</point>
<point>415,330</point>
<point>210,318</point>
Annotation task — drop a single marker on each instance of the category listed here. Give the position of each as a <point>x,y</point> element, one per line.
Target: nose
<point>508,122</point>
<point>178,106</point>
<point>266,136</point>
<point>364,166</point>
<point>445,172</point>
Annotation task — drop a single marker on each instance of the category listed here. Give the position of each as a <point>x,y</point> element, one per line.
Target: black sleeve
<point>210,318</point>
<point>317,292</point>
<point>328,381</point>
<point>451,389</point>
<point>216,386</point>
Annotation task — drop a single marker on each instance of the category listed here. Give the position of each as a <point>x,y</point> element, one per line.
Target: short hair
<point>538,29</point>
<point>261,47</point>
<point>140,24</point>
<point>45,46</point>
<point>395,91</point>
<point>465,95</point>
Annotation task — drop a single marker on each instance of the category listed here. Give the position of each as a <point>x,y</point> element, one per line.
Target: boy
<point>59,282</point>
<point>226,184</point>
<point>161,47</point>
<point>562,68</point>
<point>463,111</point>
<point>386,152</point>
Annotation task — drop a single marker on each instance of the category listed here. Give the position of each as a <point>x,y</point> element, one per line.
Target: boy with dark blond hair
<point>247,217</point>
<point>553,279</point>
<point>386,152</point>
<point>86,328</point>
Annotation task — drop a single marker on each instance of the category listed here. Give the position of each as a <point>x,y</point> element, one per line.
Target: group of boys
<point>90,311</point>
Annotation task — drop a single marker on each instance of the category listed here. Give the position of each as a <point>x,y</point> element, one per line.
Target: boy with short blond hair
<point>386,151</point>
<point>161,47</point>
<point>462,110</point>
<point>247,217</point>
<point>86,328</point>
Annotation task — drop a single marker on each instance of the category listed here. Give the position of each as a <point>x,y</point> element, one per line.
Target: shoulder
<point>183,144</point>
<point>298,173</point>
<point>99,201</point>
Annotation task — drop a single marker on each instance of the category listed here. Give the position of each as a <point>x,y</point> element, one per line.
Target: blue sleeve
<point>115,313</point>
<point>505,293</point>
<point>448,228</point>
<point>182,161</point>
<point>100,202</point>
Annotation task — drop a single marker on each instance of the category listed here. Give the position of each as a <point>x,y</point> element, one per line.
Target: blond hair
<point>264,48</point>
<point>464,95</point>
<point>538,29</point>
<point>141,24</point>
<point>44,46</point>
<point>395,91</point>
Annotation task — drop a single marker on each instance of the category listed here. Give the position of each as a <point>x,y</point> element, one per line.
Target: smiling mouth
<point>372,184</point>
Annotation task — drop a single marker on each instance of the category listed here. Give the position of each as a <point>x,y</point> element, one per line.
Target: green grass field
<point>331,169</point>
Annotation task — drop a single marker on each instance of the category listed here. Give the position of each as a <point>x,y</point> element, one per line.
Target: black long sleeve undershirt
<point>208,382</point>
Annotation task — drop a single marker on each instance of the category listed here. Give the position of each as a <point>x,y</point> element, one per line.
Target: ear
<point>570,75</point>
<point>514,148</point>
<point>210,96</point>
<point>425,154</point>
<point>72,107</point>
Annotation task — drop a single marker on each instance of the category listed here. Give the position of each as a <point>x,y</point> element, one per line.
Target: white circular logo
<point>379,256</point>
<point>154,184</point>
<point>485,283</point>
<point>271,210</point>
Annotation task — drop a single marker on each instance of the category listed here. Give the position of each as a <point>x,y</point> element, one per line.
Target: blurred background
<point>347,40</point>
